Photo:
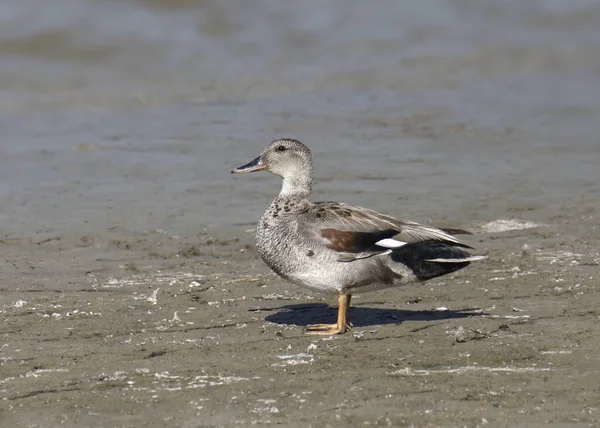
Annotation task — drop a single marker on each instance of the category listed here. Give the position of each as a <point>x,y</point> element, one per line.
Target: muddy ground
<point>159,330</point>
<point>131,293</point>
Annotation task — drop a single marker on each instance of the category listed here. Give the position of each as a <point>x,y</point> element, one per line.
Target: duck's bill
<point>254,165</point>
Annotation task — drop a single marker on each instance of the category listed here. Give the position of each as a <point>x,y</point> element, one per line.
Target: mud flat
<point>158,330</point>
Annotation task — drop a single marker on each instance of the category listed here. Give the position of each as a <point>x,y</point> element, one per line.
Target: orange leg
<point>343,322</point>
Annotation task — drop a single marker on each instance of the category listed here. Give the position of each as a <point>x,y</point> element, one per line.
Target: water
<point>130,114</point>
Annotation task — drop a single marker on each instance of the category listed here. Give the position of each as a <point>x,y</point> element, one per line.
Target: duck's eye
<point>281,149</point>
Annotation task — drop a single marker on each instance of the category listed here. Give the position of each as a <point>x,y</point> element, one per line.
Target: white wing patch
<point>390,243</point>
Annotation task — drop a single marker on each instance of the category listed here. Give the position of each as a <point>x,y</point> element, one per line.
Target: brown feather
<point>339,241</point>
<point>349,228</point>
<point>355,242</point>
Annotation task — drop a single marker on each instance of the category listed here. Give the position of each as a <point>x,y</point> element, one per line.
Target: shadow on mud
<point>305,314</point>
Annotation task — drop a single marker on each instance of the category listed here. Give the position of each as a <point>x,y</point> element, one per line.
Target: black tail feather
<point>415,256</point>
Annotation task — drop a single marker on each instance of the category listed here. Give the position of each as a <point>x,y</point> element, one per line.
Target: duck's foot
<point>327,329</point>
<point>342,325</point>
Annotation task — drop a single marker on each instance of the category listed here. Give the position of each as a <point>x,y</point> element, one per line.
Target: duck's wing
<point>357,232</point>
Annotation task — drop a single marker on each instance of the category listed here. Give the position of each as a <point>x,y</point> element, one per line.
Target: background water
<point>130,114</point>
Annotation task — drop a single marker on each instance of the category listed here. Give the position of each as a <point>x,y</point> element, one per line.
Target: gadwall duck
<point>343,249</point>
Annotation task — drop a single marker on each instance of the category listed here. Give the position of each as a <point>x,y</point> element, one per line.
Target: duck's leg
<point>343,322</point>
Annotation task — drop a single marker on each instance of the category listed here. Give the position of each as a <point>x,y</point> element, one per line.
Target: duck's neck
<point>296,187</point>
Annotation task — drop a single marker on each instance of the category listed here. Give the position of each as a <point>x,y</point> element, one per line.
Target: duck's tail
<point>430,259</point>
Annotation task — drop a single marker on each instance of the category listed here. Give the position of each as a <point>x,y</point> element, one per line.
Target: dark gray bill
<point>254,165</point>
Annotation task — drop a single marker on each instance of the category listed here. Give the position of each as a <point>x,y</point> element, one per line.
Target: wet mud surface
<point>161,330</point>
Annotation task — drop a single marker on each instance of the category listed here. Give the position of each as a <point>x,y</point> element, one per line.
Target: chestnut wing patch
<point>355,242</point>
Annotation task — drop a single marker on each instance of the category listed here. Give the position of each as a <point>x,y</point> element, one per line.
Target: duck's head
<point>286,157</point>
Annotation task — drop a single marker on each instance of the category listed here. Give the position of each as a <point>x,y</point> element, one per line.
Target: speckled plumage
<point>339,248</point>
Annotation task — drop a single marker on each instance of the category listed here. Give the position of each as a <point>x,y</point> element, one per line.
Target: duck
<point>341,249</point>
